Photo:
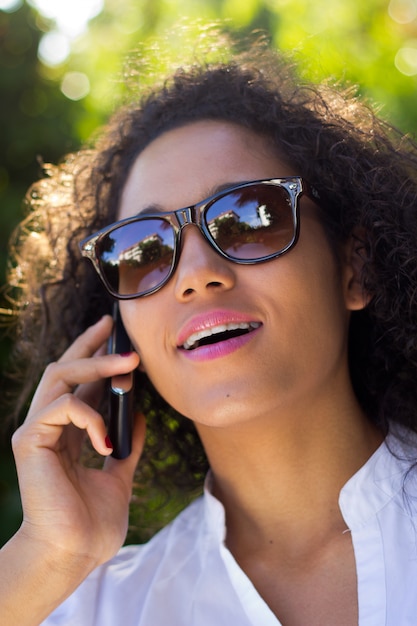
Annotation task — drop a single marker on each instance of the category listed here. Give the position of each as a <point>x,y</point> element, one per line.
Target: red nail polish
<point>125,353</point>
<point>108,442</point>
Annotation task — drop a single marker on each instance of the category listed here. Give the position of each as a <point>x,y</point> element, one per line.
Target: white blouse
<point>185,576</point>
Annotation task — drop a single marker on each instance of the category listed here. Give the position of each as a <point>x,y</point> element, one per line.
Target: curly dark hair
<point>364,170</point>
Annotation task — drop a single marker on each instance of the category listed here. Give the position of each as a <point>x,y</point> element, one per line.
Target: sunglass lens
<point>137,257</point>
<point>252,222</point>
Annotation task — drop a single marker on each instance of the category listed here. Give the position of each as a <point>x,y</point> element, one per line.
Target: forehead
<point>185,165</point>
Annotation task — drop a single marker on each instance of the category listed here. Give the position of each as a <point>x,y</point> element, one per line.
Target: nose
<point>200,270</point>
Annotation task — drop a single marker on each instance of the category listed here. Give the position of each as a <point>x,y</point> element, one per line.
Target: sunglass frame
<point>295,186</point>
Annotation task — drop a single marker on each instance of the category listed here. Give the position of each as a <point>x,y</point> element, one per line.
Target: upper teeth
<point>221,328</point>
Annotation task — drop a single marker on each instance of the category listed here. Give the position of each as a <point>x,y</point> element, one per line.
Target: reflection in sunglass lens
<point>252,222</point>
<point>137,257</point>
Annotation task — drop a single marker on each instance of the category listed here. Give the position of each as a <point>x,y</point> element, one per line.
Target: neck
<point>280,477</point>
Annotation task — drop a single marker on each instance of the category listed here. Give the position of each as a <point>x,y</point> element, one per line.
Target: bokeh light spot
<point>406,60</point>
<point>10,5</point>
<point>75,85</point>
<point>54,48</point>
<point>71,16</point>
<point>403,11</point>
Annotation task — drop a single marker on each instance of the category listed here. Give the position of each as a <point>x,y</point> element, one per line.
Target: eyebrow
<point>157,208</point>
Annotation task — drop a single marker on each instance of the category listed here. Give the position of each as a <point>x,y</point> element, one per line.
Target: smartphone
<point>121,393</point>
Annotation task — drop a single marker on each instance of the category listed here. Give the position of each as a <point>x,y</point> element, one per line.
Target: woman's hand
<point>78,513</point>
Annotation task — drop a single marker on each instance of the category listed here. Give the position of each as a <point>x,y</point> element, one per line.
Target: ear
<point>356,298</point>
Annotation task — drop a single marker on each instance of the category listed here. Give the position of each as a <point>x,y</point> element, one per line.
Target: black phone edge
<point>121,406</point>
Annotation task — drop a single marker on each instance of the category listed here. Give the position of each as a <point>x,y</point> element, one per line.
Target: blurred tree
<point>50,109</point>
<point>37,121</point>
<point>372,44</point>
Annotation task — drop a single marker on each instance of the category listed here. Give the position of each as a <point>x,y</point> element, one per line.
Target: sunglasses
<point>251,222</point>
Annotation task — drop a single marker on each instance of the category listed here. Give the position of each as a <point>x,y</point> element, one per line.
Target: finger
<point>91,393</point>
<point>72,439</point>
<point>46,428</point>
<point>89,341</point>
<point>63,377</point>
<point>125,469</point>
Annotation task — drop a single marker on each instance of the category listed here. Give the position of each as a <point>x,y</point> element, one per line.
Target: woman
<point>282,333</point>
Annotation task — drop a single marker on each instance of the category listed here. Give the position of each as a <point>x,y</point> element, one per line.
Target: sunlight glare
<point>10,5</point>
<point>71,16</point>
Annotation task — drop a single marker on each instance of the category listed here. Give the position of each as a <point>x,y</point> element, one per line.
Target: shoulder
<point>379,504</point>
<point>388,480</point>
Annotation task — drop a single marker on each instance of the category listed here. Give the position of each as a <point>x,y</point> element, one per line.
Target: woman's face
<point>298,304</point>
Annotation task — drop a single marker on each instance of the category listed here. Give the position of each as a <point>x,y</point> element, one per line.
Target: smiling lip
<point>207,326</point>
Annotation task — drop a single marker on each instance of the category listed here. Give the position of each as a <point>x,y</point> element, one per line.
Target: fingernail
<point>108,442</point>
<point>126,353</point>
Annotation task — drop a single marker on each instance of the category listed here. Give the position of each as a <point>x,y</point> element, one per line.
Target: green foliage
<point>352,41</point>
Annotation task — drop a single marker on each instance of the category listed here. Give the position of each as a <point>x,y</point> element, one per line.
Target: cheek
<point>145,322</point>
<point>323,318</point>
<point>165,379</point>
<point>310,300</point>
<point>140,325</point>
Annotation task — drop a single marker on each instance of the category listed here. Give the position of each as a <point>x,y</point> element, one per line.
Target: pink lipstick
<point>216,334</point>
